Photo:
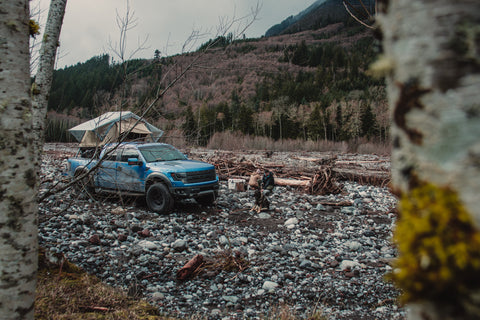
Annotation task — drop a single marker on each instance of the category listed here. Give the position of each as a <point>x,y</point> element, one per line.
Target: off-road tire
<point>84,185</point>
<point>159,198</point>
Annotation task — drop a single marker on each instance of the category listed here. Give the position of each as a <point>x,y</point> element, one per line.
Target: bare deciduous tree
<point>18,224</point>
<point>21,137</point>
<point>43,79</point>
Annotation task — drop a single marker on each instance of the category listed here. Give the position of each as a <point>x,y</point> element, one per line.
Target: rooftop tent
<point>111,126</point>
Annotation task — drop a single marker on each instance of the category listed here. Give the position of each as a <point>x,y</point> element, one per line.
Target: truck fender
<point>80,170</point>
<point>157,177</point>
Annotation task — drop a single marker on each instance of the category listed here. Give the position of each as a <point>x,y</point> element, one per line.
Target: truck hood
<point>179,166</point>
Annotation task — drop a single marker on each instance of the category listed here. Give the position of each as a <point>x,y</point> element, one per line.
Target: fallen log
<point>372,177</point>
<point>319,161</point>
<point>359,161</point>
<point>292,182</point>
<point>189,269</point>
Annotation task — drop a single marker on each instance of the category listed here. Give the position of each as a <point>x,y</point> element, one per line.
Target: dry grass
<point>237,141</point>
<point>64,291</point>
<point>284,312</point>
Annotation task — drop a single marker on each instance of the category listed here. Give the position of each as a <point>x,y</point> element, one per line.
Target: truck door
<point>130,176</point>
<point>106,176</point>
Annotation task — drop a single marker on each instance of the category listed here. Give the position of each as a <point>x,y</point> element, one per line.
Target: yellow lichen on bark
<point>439,246</point>
<point>34,28</point>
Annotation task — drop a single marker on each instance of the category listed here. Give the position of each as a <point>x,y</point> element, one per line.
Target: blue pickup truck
<point>157,171</point>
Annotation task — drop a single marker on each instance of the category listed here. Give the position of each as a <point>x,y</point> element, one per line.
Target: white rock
<point>232,299</point>
<point>118,210</point>
<point>223,240</point>
<point>157,296</point>
<point>291,221</point>
<point>264,215</point>
<point>353,245</point>
<point>145,244</point>
<point>345,264</point>
<point>290,226</point>
<point>242,239</point>
<point>179,245</point>
<point>269,285</point>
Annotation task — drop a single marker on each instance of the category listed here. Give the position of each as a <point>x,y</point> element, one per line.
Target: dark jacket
<point>268,182</point>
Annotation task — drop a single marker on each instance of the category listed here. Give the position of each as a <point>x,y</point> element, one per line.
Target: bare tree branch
<point>348,5</point>
<point>226,25</point>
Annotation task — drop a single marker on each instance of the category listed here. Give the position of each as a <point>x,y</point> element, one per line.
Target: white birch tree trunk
<point>18,221</point>
<point>43,79</point>
<point>432,58</point>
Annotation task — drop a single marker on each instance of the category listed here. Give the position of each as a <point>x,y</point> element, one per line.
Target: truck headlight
<point>179,176</point>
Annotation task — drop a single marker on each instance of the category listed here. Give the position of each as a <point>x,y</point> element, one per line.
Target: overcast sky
<point>90,25</point>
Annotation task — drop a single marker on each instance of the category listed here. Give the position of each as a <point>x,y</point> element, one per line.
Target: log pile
<point>321,175</point>
<point>318,181</point>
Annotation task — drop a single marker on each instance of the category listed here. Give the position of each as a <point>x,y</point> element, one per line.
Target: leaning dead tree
<point>363,11</point>
<point>44,76</point>
<point>432,64</point>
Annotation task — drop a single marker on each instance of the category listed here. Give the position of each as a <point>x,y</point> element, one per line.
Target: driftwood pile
<point>311,175</point>
<point>317,181</point>
<point>227,260</point>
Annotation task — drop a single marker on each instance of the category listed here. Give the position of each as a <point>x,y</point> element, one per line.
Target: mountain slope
<point>309,84</point>
<point>279,28</point>
<point>320,14</point>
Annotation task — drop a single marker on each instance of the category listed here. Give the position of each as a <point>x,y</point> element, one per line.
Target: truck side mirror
<point>134,162</point>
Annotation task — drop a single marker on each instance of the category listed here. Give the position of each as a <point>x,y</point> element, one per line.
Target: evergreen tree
<point>189,126</point>
<point>315,124</point>
<point>368,123</point>
<point>301,55</point>
<point>339,136</point>
<point>244,119</point>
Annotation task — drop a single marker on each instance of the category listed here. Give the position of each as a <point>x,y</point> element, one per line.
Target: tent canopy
<point>111,126</point>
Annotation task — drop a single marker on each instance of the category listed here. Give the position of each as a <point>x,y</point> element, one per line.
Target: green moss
<point>27,115</point>
<point>4,104</point>
<point>381,67</point>
<point>34,89</point>
<point>439,247</point>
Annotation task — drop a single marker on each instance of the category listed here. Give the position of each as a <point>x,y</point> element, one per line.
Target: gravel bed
<point>308,253</point>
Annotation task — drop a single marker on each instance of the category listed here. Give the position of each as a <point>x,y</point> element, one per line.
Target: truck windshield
<point>161,153</point>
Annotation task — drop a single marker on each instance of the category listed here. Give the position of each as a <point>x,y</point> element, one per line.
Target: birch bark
<point>43,79</point>
<point>432,57</point>
<point>18,222</point>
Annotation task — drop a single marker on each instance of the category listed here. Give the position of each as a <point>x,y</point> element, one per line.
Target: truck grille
<point>201,176</point>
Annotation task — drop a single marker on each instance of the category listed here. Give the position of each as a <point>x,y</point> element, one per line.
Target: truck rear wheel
<point>85,184</point>
<point>159,198</point>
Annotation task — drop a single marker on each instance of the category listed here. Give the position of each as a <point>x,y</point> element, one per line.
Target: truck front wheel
<point>159,198</point>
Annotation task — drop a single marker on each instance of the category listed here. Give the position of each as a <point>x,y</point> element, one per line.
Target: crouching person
<point>266,185</point>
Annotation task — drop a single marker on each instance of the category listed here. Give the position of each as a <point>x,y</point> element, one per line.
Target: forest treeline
<point>329,97</point>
